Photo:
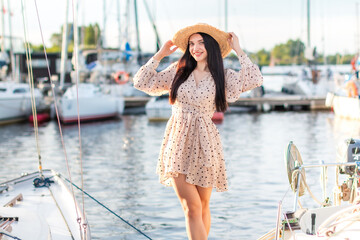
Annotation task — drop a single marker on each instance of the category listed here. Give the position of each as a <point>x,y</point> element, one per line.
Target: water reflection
<point>344,128</point>
<point>120,157</point>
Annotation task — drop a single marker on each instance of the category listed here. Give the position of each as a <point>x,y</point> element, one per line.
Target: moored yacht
<point>15,101</point>
<point>94,104</point>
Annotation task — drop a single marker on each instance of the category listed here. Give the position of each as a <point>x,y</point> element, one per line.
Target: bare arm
<point>167,49</point>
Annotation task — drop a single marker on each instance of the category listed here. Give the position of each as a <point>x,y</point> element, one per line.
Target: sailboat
<point>344,106</point>
<point>39,205</point>
<point>336,215</point>
<point>345,99</point>
<point>15,104</point>
<point>88,100</point>
<point>308,80</point>
<point>94,104</point>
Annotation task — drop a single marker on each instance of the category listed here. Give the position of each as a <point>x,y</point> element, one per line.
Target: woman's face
<point>197,48</point>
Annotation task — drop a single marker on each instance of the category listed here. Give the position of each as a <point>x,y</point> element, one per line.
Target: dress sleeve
<point>247,78</point>
<point>154,83</point>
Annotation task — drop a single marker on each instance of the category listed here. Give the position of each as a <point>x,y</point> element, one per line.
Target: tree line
<point>89,39</point>
<point>293,52</point>
<point>289,53</point>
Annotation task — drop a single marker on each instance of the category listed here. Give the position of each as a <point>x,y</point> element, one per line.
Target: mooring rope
<point>103,205</point>
<point>8,235</point>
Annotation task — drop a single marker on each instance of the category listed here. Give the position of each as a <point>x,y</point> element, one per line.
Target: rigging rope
<point>294,174</point>
<point>76,65</point>
<point>352,217</point>
<point>61,213</point>
<point>101,204</point>
<point>31,86</point>
<point>56,110</point>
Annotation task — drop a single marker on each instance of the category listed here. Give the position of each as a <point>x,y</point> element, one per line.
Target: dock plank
<point>286,101</point>
<point>261,103</point>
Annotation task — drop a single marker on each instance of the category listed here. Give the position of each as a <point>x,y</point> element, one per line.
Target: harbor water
<point>119,160</point>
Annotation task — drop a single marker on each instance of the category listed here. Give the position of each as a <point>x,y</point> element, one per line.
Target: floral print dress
<point>191,143</point>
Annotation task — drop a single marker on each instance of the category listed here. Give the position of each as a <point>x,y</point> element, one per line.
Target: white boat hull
<point>158,109</point>
<point>90,109</point>
<point>14,104</point>
<point>93,105</point>
<point>14,108</point>
<point>345,107</point>
<point>43,212</point>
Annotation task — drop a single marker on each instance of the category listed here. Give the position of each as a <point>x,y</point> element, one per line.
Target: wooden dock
<point>283,102</point>
<point>131,102</point>
<point>266,103</point>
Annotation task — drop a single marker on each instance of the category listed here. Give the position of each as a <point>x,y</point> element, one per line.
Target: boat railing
<point>324,168</point>
<point>298,170</point>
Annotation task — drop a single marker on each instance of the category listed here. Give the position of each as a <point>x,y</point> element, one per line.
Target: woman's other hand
<point>234,44</point>
<point>166,49</point>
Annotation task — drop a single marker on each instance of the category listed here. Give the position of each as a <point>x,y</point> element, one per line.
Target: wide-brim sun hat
<point>181,38</point>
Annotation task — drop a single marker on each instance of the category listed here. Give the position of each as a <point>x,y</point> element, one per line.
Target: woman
<point>191,158</point>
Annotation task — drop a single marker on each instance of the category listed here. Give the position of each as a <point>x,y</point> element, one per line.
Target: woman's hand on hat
<point>166,49</point>
<point>235,44</point>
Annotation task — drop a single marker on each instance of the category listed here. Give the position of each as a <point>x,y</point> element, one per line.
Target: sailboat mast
<point>226,15</point>
<point>11,45</point>
<point>2,26</point>
<point>158,42</point>
<point>104,25</point>
<point>308,23</point>
<point>119,22</point>
<point>127,16</point>
<point>357,28</point>
<point>64,46</point>
<point>137,33</point>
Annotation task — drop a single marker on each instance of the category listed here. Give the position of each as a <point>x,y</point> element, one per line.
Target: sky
<point>260,24</point>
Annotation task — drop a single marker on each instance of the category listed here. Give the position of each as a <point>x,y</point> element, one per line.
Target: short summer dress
<point>191,143</point>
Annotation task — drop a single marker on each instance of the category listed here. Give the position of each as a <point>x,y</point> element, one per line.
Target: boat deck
<point>38,212</point>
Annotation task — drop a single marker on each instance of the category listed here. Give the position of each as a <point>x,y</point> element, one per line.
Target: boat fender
<point>42,182</point>
<point>351,89</point>
<point>329,99</point>
<point>121,77</point>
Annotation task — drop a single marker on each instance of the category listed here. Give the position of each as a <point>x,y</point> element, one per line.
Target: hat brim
<point>181,38</point>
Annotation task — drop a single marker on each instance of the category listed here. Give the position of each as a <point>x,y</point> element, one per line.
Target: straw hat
<point>181,38</point>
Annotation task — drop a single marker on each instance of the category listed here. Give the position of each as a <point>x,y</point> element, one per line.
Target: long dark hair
<point>187,64</point>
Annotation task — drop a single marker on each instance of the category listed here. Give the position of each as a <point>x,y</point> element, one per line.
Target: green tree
<point>91,35</point>
<point>339,59</point>
<point>37,48</point>
<point>263,57</point>
<point>56,39</point>
<point>291,52</point>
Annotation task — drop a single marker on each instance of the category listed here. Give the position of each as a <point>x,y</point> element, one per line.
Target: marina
<point>83,115</point>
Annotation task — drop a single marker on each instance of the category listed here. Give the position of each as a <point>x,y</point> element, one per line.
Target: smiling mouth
<point>197,54</point>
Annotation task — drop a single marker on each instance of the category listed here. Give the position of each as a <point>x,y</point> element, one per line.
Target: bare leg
<point>190,200</point>
<point>205,194</point>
